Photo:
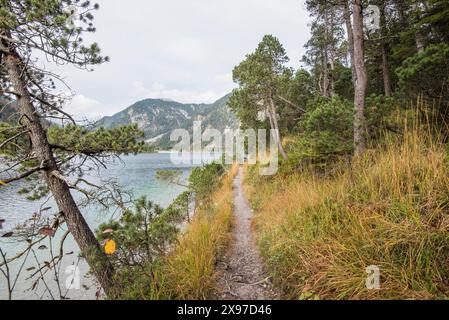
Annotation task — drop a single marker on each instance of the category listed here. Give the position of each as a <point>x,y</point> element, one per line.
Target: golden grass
<point>391,209</point>
<point>189,272</point>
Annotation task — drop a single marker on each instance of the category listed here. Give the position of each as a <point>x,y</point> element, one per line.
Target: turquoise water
<point>135,174</point>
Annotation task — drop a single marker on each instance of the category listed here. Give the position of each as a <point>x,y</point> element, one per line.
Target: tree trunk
<point>274,125</point>
<point>400,8</point>
<point>325,74</point>
<point>332,54</point>
<point>386,70</point>
<point>384,49</point>
<point>332,81</point>
<point>420,39</point>
<point>76,224</point>
<point>325,54</point>
<point>362,79</point>
<point>349,30</point>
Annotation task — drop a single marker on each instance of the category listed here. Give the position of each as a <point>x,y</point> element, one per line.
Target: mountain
<point>157,118</point>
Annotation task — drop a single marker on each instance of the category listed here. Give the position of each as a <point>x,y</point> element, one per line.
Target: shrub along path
<point>241,271</point>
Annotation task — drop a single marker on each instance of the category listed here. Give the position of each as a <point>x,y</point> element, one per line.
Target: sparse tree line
<point>352,75</point>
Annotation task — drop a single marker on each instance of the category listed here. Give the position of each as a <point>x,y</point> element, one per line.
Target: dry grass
<point>391,209</point>
<point>189,272</point>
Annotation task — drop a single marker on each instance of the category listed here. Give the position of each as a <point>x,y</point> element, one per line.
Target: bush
<point>205,180</point>
<point>325,132</point>
<point>378,112</point>
<point>141,235</point>
<point>427,73</point>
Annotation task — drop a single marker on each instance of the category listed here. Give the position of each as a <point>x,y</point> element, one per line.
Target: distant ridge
<point>157,118</point>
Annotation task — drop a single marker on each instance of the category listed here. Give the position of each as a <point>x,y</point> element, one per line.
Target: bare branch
<point>23,175</point>
<point>291,103</point>
<point>4,143</point>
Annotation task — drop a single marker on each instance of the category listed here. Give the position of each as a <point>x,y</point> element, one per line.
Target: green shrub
<point>205,180</point>
<point>427,73</point>
<point>325,131</point>
<point>141,235</point>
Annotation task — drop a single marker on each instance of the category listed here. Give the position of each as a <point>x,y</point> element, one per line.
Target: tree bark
<point>325,54</point>
<point>325,74</point>
<point>420,42</point>
<point>362,79</point>
<point>349,30</point>
<point>386,70</point>
<point>76,223</point>
<point>420,39</point>
<point>274,125</point>
<point>384,49</point>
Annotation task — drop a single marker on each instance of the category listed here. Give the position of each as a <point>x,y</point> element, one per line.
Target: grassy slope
<point>318,235</point>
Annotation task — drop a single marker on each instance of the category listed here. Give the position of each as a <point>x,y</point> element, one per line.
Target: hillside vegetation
<point>318,233</point>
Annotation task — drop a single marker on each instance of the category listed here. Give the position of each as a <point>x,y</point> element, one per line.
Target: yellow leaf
<point>110,247</point>
<point>2,183</point>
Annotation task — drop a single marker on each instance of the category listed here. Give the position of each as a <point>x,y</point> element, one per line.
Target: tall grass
<point>390,209</point>
<point>189,272</point>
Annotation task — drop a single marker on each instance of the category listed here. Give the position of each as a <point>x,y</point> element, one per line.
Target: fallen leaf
<point>45,209</point>
<point>43,247</point>
<point>8,235</point>
<point>47,231</point>
<point>110,247</point>
<point>69,253</point>
<point>31,269</point>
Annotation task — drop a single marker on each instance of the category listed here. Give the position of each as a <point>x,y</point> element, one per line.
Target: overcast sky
<point>182,50</point>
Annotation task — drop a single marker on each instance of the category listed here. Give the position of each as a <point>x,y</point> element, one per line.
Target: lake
<point>136,174</point>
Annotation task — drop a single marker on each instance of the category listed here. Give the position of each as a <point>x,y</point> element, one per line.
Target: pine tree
<point>261,77</point>
<point>30,29</point>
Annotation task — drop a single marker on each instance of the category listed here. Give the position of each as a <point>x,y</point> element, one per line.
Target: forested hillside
<point>158,118</point>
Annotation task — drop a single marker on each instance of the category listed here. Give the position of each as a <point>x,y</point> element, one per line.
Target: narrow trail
<point>242,274</point>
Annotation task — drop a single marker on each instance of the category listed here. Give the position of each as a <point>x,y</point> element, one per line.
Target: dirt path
<point>242,274</point>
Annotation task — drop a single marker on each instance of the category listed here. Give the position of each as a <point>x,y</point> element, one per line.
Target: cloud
<point>186,49</point>
<point>83,107</point>
<point>160,91</point>
<point>177,49</point>
<point>225,79</point>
